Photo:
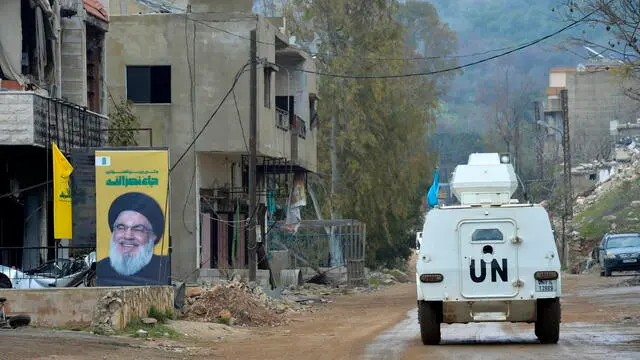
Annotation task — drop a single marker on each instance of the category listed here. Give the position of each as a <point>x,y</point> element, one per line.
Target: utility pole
<point>567,214</point>
<point>253,98</point>
<point>539,141</point>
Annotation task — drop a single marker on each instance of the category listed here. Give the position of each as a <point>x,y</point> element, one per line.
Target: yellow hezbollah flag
<point>62,169</point>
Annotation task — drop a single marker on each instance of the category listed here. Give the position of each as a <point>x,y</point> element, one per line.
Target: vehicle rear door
<point>488,258</point>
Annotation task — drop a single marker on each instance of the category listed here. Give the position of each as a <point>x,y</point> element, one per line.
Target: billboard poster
<point>132,228</point>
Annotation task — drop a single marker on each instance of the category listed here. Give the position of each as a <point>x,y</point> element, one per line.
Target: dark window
<point>149,84</point>
<point>487,235</point>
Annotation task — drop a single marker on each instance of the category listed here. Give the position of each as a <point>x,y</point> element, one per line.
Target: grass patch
<point>374,282</point>
<point>161,316</point>
<point>158,330</point>
<point>617,202</point>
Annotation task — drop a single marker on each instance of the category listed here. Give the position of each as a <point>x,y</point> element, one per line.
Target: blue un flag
<point>432,195</point>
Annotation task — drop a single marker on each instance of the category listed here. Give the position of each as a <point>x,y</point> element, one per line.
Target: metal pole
<point>539,141</point>
<point>566,153</point>
<point>253,97</point>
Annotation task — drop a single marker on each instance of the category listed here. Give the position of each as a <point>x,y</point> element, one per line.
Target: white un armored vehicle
<point>489,258</point>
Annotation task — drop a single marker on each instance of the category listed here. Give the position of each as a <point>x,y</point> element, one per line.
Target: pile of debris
<point>234,303</point>
<point>581,249</point>
<point>621,172</point>
<point>387,277</point>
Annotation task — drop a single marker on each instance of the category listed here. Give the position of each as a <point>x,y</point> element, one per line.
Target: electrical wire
<point>473,63</point>
<point>240,121</point>
<point>192,88</point>
<point>438,57</point>
<point>229,32</point>
<point>235,82</point>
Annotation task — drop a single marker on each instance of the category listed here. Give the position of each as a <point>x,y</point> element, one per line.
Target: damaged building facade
<point>596,98</point>
<point>175,65</point>
<point>52,90</point>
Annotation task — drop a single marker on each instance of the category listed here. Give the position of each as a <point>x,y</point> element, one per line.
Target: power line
<point>26,189</point>
<point>445,56</point>
<point>229,32</point>
<point>346,76</point>
<point>235,81</point>
<point>240,121</point>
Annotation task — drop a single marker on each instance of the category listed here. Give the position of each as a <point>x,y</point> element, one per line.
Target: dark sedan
<point>619,252</point>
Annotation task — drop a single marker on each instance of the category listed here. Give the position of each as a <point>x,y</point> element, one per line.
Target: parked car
<point>53,273</point>
<point>619,252</point>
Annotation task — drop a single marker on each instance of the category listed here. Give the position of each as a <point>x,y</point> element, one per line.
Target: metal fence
<point>324,244</point>
<point>67,124</point>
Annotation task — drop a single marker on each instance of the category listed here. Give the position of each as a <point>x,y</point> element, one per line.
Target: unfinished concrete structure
<point>176,67</point>
<point>595,98</point>
<point>51,91</point>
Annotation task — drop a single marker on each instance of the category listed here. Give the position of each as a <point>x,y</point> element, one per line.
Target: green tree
<point>374,143</point>
<point>123,125</point>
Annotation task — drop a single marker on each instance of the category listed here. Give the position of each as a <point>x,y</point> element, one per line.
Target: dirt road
<point>598,320</point>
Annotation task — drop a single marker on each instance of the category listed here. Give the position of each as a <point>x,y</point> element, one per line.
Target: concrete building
<point>176,68</point>
<point>51,91</point>
<point>595,98</point>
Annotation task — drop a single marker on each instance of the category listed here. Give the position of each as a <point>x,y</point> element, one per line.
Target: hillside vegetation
<point>615,210</point>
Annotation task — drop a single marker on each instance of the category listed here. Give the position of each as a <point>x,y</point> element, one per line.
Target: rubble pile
<point>388,277</point>
<point>234,303</point>
<point>622,172</point>
<point>580,248</point>
<point>238,303</point>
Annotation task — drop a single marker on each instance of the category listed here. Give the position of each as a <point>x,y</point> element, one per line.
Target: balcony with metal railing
<point>282,119</point>
<point>27,118</point>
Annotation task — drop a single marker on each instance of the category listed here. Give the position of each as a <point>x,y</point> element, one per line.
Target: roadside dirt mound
<point>233,303</point>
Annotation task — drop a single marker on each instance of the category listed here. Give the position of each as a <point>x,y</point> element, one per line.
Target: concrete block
<point>73,73</point>
<point>71,61</point>
<point>8,99</point>
<point>25,99</point>
<point>71,48</point>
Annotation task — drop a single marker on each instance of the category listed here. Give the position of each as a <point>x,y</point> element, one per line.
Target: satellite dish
<point>581,68</point>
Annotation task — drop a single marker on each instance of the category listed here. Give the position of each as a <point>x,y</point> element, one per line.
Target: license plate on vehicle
<point>545,285</point>
<point>629,260</point>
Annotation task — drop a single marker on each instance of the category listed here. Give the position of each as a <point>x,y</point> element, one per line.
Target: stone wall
<point>16,118</point>
<point>65,307</point>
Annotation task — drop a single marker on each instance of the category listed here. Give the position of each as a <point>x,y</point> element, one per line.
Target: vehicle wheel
<point>5,283</point>
<point>547,327</point>
<point>607,272</point>
<point>601,272</point>
<point>19,321</point>
<point>429,316</point>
